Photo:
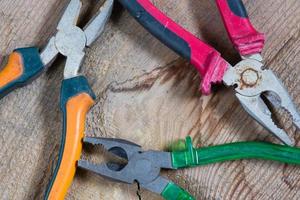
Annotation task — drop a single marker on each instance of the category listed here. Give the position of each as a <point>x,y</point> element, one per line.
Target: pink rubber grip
<point>245,38</point>
<point>206,59</point>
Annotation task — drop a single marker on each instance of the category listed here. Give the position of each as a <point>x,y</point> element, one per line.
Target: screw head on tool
<point>249,77</point>
<point>70,41</point>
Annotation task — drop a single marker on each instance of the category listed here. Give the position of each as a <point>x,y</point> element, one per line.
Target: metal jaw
<point>251,81</point>
<point>71,40</point>
<point>143,166</point>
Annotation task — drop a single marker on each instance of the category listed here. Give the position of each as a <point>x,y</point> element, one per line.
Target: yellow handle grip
<point>76,110</point>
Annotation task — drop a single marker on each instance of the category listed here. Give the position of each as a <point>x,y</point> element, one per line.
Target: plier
<point>249,78</point>
<point>144,166</point>
<point>76,95</point>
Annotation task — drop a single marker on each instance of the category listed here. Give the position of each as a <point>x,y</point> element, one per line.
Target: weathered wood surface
<point>146,94</point>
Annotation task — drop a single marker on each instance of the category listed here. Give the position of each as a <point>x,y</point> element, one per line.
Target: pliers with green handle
<point>145,166</point>
<point>76,95</point>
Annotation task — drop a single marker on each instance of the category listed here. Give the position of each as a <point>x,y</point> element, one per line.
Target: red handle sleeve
<point>206,59</point>
<point>245,38</point>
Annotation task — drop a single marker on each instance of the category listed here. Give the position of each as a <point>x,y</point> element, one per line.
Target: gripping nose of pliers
<point>252,81</point>
<point>142,167</point>
<point>126,173</point>
<point>114,171</point>
<point>113,145</point>
<point>71,40</point>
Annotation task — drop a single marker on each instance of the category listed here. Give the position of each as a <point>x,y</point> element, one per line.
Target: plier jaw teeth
<point>113,171</point>
<point>143,166</point>
<point>118,147</point>
<point>257,108</point>
<point>252,81</point>
<point>71,41</point>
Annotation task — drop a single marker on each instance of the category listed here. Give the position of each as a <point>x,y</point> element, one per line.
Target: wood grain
<point>149,95</point>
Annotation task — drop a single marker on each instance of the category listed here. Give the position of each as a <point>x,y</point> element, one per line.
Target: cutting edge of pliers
<point>70,40</point>
<point>256,86</point>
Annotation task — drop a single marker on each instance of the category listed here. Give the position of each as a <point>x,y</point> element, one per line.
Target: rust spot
<point>249,78</point>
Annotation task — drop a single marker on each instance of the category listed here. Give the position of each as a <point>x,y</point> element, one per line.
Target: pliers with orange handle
<point>76,95</point>
<point>249,78</point>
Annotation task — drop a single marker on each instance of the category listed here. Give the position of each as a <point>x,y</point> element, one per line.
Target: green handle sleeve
<point>192,157</point>
<point>174,192</point>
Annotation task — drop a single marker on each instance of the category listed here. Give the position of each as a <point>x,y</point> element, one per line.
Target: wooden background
<point>149,95</point>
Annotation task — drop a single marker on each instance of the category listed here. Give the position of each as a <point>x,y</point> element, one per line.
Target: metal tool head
<point>142,167</point>
<point>70,40</point>
<point>252,81</point>
<point>126,148</point>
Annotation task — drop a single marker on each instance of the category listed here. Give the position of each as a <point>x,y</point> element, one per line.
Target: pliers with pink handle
<point>249,78</point>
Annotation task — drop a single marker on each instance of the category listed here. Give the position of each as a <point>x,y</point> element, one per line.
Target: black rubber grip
<point>238,8</point>
<point>156,28</point>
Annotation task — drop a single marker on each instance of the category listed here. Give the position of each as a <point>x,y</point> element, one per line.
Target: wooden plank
<point>146,94</point>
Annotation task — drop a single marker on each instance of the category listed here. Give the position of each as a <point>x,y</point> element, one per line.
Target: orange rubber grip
<point>13,70</point>
<point>23,66</point>
<point>76,110</point>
